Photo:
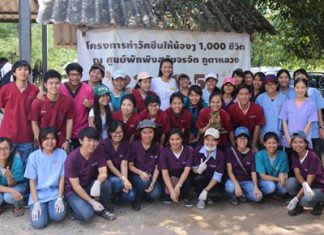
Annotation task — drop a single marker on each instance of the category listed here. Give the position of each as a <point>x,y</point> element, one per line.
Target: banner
<point>136,50</point>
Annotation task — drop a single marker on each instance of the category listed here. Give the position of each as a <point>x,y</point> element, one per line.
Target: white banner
<point>193,53</point>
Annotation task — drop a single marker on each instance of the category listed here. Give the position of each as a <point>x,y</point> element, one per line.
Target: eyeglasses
<point>5,149</point>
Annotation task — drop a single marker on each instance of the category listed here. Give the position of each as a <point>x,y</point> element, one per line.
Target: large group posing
<point>82,147</point>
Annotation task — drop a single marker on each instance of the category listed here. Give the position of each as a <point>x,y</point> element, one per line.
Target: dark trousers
<point>201,181</point>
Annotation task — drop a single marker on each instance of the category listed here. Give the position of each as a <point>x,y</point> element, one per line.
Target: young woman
<point>248,78</point>
<point>243,183</point>
<point>142,90</point>
<point>272,164</point>
<point>96,74</point>
<point>164,85</point>
<point>100,115</point>
<point>308,184</point>
<point>239,76</point>
<point>116,95</point>
<point>206,120</point>
<point>153,112</point>
<point>284,79</point>
<point>45,171</point>
<point>11,177</point>
<point>184,84</point>
<point>128,116</point>
<point>297,114</point>
<point>210,87</point>
<point>144,164</point>
<point>228,92</point>
<point>179,116</point>
<point>209,167</point>
<point>257,85</point>
<point>175,163</point>
<point>194,104</point>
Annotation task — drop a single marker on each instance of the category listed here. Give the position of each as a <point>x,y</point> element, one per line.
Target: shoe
<point>201,204</point>
<point>188,202</point>
<point>108,215</point>
<point>166,199</point>
<point>297,210</point>
<point>317,209</point>
<point>233,199</point>
<point>278,198</point>
<point>136,206</point>
<point>242,199</point>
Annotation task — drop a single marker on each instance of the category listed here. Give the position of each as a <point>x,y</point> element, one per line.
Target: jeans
<point>201,181</point>
<point>140,186</point>
<point>82,209</point>
<point>116,185</point>
<point>48,212</point>
<point>293,187</point>
<point>7,197</point>
<point>24,149</point>
<point>270,186</point>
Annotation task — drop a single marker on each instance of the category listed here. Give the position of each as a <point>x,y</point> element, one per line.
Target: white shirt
<point>164,90</point>
<point>104,134</point>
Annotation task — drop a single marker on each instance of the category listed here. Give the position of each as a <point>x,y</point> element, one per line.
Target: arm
<point>32,185</point>
<point>321,123</point>
<point>269,177</point>
<point>61,187</point>
<point>238,190</point>
<point>91,122</point>
<point>210,185</point>
<point>286,132</point>
<point>36,130</point>
<point>77,188</point>
<point>184,175</point>
<point>168,184</point>
<point>307,128</point>
<point>69,125</point>
<point>231,137</point>
<point>257,191</point>
<point>162,139</point>
<point>255,139</point>
<point>310,179</point>
<point>102,176</point>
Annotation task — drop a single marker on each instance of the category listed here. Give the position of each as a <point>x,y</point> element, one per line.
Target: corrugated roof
<point>9,10</point>
<point>205,15</point>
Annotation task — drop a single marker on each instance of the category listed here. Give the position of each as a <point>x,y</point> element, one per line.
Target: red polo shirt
<point>130,125</point>
<point>140,104</point>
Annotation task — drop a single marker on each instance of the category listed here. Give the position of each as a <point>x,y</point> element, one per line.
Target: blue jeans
<point>48,212</point>
<point>117,185</point>
<point>24,149</point>
<point>140,186</point>
<point>269,187</point>
<point>7,197</point>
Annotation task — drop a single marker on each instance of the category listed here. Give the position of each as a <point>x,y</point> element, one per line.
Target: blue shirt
<point>264,166</point>
<point>116,100</point>
<point>46,171</point>
<point>17,172</point>
<point>289,94</point>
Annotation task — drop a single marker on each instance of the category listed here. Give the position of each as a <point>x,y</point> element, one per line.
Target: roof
<point>9,10</point>
<point>204,15</point>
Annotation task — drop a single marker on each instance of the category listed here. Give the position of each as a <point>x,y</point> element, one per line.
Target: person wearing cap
<point>100,115</point>
<point>243,183</point>
<point>142,90</point>
<point>307,186</point>
<point>211,86</point>
<point>271,102</point>
<point>82,96</point>
<point>208,167</point>
<point>96,74</point>
<point>143,164</point>
<point>118,92</point>
<point>257,88</point>
<point>183,84</point>
<point>228,92</point>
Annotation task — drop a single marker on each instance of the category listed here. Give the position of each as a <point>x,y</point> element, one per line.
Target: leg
<point>139,186</point>
<point>42,219</point>
<point>1,198</point>
<point>53,214</point>
<point>116,184</point>
<point>8,196</point>
<point>186,187</point>
<point>248,189</point>
<point>280,190</point>
<point>24,149</point>
<point>267,187</point>
<point>310,202</point>
<point>105,194</point>
<point>200,182</point>
<point>130,196</point>
<point>82,210</point>
<point>229,187</point>
<point>292,186</point>
<point>155,194</point>
<point>217,192</point>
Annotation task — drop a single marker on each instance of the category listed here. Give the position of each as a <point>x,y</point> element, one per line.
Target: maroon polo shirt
<point>130,125</point>
<point>140,104</point>
<point>181,121</point>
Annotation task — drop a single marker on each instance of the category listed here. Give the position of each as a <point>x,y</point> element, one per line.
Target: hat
<point>212,132</point>
<point>118,74</point>
<point>270,78</point>
<point>101,90</point>
<point>300,134</point>
<point>143,75</point>
<point>100,67</point>
<point>242,130</point>
<point>211,75</point>
<point>146,123</point>
<point>229,80</point>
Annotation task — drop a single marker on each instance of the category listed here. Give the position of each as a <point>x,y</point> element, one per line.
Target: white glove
<point>37,211</point>
<point>202,167</point>
<point>293,203</point>
<point>95,189</point>
<point>59,205</point>
<point>203,195</point>
<point>308,192</point>
<point>96,206</point>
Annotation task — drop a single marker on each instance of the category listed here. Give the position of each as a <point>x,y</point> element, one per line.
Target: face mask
<point>209,149</point>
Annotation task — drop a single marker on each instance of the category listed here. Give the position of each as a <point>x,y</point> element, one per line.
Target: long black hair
<point>161,63</point>
<point>97,114</point>
<point>197,90</point>
<point>11,156</point>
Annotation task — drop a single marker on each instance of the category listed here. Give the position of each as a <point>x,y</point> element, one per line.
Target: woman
<point>307,186</point>
<point>128,116</point>
<point>228,92</point>
<point>11,178</point>
<point>284,79</point>
<point>257,85</point>
<point>297,114</point>
<point>248,78</point>
<point>144,164</point>
<point>183,84</point>
<point>165,85</point>
<point>179,117</point>
<point>209,167</point>
<point>243,183</point>
<point>118,92</point>
<point>142,90</point>
<point>46,190</point>
<point>96,74</point>
<point>100,115</point>
<point>272,164</point>
<point>239,76</point>
<point>175,163</point>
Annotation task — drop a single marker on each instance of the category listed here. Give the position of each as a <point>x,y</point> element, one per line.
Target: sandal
<point>18,211</point>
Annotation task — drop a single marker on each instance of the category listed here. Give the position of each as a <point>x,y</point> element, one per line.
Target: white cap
<point>212,132</point>
<point>118,74</point>
<point>211,75</point>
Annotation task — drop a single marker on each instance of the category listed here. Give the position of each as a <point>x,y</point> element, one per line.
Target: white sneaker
<point>201,204</point>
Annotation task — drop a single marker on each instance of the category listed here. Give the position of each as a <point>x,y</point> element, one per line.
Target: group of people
<point>84,147</point>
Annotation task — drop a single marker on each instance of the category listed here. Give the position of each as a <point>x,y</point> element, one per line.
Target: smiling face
<point>127,107</point>
<point>211,83</point>
<point>210,141</point>
<point>283,79</point>
<point>117,135</point>
<point>153,109</point>
<point>145,84</point>
<point>176,105</point>
<point>215,103</point>
<point>104,100</point>
<point>271,146</point>
<point>53,85</point>
<point>5,150</point>
<point>21,73</point>
<point>298,144</point>
<point>184,83</point>
<point>229,88</point>
<point>147,135</point>
<point>242,141</point>
<point>271,87</point>
<point>119,83</point>
<point>257,82</point>
<point>175,141</point>
<point>49,143</point>
<point>244,96</point>
<point>166,69</point>
<point>95,75</point>
<point>300,89</point>
<point>89,145</point>
<point>194,98</point>
<point>248,79</point>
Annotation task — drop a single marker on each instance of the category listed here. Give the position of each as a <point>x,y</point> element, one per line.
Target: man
<point>55,110</point>
<point>211,82</point>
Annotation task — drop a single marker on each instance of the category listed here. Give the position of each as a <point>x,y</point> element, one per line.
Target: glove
<point>203,195</point>
<point>308,192</point>
<point>95,189</point>
<point>37,211</point>
<point>202,167</point>
<point>59,205</point>
<point>96,206</point>
<point>293,203</point>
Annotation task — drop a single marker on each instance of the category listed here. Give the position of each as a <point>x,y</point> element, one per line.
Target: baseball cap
<point>146,123</point>
<point>229,80</point>
<point>98,66</point>
<point>211,75</point>
<point>118,74</point>
<point>242,130</point>
<point>143,75</point>
<point>270,78</point>
<point>101,90</point>
<point>212,132</point>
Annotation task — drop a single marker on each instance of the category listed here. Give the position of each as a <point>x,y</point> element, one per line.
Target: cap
<point>146,123</point>
<point>229,80</point>
<point>101,90</point>
<point>270,78</point>
<point>242,130</point>
<point>118,74</point>
<point>98,66</point>
<point>211,75</point>
<point>212,132</point>
<point>143,75</point>
<point>300,134</point>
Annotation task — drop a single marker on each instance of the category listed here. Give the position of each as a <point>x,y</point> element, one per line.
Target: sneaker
<point>317,209</point>
<point>233,199</point>
<point>136,206</point>
<point>188,202</point>
<point>201,204</point>
<point>242,199</point>
<point>297,210</point>
<point>108,215</point>
<point>166,199</point>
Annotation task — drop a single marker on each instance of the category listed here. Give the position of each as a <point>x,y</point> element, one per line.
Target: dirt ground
<point>267,217</point>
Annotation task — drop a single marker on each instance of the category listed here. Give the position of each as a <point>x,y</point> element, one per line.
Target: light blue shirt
<point>289,94</point>
<point>46,171</point>
<point>264,166</point>
<point>116,100</point>
<point>206,94</point>
<point>17,172</point>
